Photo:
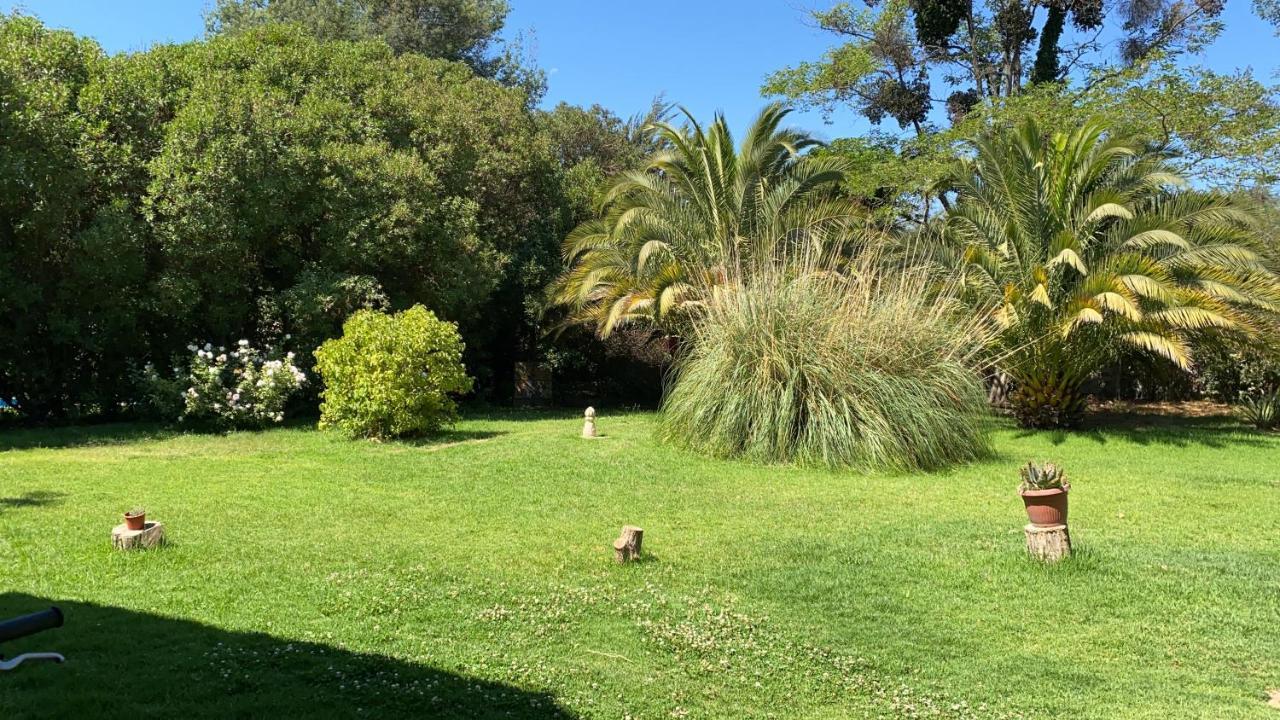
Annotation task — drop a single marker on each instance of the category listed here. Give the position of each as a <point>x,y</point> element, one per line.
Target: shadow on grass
<point>446,438</point>
<point>72,436</point>
<point>35,498</point>
<point>133,662</point>
<point>532,414</point>
<point>82,435</point>
<point>1150,429</point>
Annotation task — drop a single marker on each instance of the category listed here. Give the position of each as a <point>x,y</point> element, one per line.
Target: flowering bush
<point>241,388</point>
<point>391,375</point>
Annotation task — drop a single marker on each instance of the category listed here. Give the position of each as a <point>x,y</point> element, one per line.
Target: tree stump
<point>627,546</point>
<point>1050,543</point>
<point>589,423</point>
<point>151,535</point>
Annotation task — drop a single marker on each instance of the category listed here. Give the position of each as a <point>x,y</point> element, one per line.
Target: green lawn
<point>472,576</point>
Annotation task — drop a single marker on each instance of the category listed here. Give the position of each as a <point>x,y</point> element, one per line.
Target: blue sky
<point>706,54</point>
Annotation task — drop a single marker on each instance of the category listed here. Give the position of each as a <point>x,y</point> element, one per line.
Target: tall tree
<point>462,30</point>
<point>258,183</point>
<point>896,51</point>
<point>942,70</point>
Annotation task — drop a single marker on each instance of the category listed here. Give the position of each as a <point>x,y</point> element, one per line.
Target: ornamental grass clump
<point>823,364</point>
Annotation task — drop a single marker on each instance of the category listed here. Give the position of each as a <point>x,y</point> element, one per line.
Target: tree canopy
<point>467,31</point>
<point>946,71</point>
<point>227,188</point>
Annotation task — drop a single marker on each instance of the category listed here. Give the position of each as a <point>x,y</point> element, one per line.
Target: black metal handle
<point>30,624</point>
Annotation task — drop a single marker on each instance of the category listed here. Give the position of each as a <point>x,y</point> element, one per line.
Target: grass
<point>472,576</point>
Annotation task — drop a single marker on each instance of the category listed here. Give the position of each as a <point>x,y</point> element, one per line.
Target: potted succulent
<point>136,518</point>
<point>1044,493</point>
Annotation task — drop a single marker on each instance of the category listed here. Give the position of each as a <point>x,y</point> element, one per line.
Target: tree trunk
<point>1049,544</point>
<point>151,535</point>
<point>627,546</point>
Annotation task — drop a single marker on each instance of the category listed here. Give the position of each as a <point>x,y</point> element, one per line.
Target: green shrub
<point>859,368</point>
<point>159,396</point>
<point>391,375</point>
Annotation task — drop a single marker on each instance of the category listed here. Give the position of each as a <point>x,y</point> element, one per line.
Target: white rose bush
<point>241,388</point>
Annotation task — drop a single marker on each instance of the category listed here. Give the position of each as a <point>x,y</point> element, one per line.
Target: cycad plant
<point>667,231</point>
<point>1078,243</point>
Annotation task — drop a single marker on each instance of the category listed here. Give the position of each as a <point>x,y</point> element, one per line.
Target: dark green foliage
<point>314,309</point>
<point>937,20</point>
<point>67,244</point>
<point>1047,65</point>
<point>1232,371</point>
<point>905,102</point>
<point>259,184</point>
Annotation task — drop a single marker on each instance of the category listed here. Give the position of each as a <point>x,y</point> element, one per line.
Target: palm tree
<point>668,232</point>
<point>1083,243</point>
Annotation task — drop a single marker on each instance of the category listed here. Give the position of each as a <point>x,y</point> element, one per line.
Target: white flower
<point>287,336</point>
<point>243,343</point>
<point>222,358</point>
<point>191,348</point>
<point>208,347</point>
<point>289,355</point>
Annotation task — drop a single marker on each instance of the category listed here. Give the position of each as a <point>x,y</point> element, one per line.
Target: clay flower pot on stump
<point>135,519</point>
<point>1045,507</point>
<point>1044,494</point>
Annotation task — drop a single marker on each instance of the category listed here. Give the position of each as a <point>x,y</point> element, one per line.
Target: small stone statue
<point>589,425</point>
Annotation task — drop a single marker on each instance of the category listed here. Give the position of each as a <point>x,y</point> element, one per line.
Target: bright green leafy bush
<point>391,375</point>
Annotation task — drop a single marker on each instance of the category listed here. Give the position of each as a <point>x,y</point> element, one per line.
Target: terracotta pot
<point>135,522</point>
<point>1046,507</point>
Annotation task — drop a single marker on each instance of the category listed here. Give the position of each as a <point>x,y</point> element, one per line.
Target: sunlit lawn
<point>472,576</point>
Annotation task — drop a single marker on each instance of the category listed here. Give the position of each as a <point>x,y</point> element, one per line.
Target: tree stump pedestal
<point>1049,543</point>
<point>627,546</point>
<point>151,535</point>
